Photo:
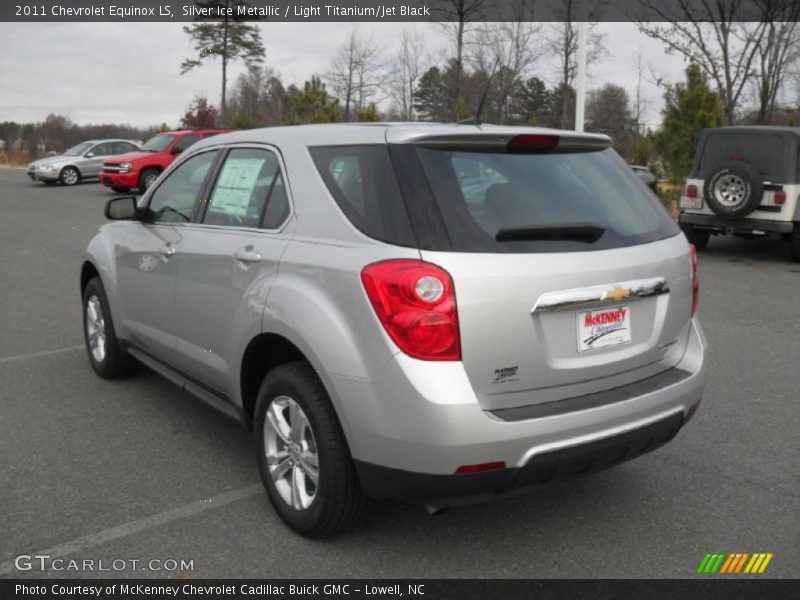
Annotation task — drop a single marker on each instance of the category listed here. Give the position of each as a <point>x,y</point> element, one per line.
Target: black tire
<point>116,362</point>
<point>338,502</point>
<point>147,178</point>
<point>697,237</point>
<point>794,243</point>
<point>120,190</point>
<point>738,198</point>
<point>69,176</point>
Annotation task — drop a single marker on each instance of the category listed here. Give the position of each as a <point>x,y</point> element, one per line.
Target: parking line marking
<point>9,359</point>
<point>131,527</point>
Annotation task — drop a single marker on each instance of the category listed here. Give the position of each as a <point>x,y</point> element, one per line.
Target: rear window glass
<point>363,183</point>
<point>480,193</point>
<point>764,151</point>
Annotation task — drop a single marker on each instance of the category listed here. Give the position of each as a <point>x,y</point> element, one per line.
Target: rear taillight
<point>691,191</point>
<point>695,280</point>
<point>780,198</point>
<point>416,304</point>
<point>481,468</point>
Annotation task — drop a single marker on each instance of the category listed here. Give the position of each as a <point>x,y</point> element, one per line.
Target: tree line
<point>737,72</point>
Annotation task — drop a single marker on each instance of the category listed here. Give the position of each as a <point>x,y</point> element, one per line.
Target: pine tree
<point>690,107</point>
<point>228,39</point>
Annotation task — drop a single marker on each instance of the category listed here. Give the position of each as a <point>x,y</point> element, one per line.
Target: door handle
<point>168,250</point>
<point>247,256</point>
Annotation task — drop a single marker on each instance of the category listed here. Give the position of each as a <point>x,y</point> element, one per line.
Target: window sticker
<point>235,186</point>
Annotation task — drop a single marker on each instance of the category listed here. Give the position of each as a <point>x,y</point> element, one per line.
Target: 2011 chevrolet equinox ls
<point>425,312</point>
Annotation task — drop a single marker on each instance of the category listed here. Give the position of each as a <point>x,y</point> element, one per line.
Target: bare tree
<point>509,49</point>
<point>456,16</point>
<point>707,33</point>
<point>640,104</point>
<point>410,63</point>
<point>563,42</point>
<point>355,73</point>
<point>778,51</point>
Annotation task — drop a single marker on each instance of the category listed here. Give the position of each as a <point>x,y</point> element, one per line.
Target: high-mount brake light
<point>533,142</point>
<point>416,304</point>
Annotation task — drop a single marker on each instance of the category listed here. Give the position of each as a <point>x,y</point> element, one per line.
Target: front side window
<point>185,142</point>
<point>174,199</point>
<point>249,182</point>
<point>158,143</point>
<point>105,149</point>
<point>78,150</point>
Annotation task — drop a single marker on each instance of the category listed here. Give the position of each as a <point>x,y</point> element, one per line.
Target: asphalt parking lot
<point>137,469</point>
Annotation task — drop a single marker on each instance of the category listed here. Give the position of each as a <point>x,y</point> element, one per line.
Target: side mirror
<point>89,154</point>
<point>120,209</point>
<point>176,150</point>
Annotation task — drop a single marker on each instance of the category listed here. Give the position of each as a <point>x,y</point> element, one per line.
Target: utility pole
<point>580,83</point>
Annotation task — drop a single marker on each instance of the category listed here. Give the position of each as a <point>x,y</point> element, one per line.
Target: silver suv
<point>436,313</point>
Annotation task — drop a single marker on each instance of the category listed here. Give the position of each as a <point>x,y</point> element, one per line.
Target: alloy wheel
<point>291,452</point>
<point>95,329</point>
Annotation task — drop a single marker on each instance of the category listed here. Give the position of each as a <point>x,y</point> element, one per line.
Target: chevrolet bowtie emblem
<point>617,294</point>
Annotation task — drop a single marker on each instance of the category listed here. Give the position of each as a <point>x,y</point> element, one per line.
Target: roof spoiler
<point>518,142</point>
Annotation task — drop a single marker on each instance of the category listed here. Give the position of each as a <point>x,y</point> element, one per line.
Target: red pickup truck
<point>141,169</point>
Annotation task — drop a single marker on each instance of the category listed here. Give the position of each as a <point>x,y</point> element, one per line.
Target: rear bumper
<point>129,180</point>
<point>384,482</point>
<point>715,223</point>
<point>413,425</point>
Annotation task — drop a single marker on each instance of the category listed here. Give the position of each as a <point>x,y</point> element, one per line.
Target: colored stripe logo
<point>734,563</point>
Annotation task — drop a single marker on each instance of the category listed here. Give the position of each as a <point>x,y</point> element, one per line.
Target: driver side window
<point>174,199</point>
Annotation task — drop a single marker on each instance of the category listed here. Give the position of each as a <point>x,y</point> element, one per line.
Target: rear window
<point>362,181</point>
<point>764,151</point>
<point>459,200</point>
<point>481,193</point>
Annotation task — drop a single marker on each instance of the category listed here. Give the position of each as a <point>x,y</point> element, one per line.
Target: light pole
<point>580,83</point>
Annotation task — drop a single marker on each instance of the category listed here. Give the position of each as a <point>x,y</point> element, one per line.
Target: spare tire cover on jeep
<point>733,190</point>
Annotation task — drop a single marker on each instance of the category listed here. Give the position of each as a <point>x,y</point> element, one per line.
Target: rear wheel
<point>303,458</point>
<point>697,237</point>
<point>794,243</point>
<point>70,176</point>
<point>120,190</point>
<point>107,357</point>
<point>148,178</point>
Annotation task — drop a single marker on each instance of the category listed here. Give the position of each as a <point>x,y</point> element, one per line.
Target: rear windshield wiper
<point>587,233</point>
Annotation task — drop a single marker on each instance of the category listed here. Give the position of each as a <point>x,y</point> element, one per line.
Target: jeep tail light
<point>416,304</point>
<point>695,281</point>
<point>691,191</point>
<point>780,198</point>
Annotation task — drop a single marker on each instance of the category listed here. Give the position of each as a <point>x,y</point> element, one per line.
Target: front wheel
<point>148,178</point>
<point>107,357</point>
<point>70,176</point>
<point>303,458</point>
<point>698,237</point>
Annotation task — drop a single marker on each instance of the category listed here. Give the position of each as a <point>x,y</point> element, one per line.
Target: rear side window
<point>363,183</point>
<point>764,151</point>
<point>480,193</point>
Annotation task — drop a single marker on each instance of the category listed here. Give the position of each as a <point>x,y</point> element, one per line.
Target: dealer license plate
<point>604,328</point>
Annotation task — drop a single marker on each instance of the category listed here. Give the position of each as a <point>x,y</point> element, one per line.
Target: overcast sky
<point>129,72</point>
